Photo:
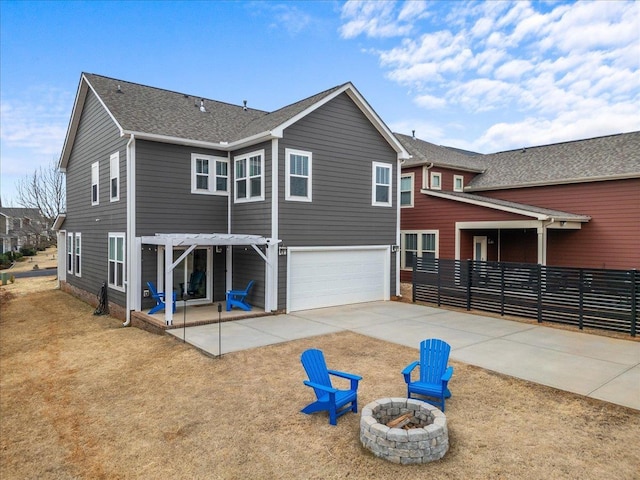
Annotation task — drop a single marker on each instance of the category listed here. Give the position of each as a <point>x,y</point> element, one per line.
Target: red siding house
<point>574,204</point>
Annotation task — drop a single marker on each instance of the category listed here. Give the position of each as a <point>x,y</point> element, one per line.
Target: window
<point>298,182</point>
<point>95,177</point>
<point>116,261</point>
<point>114,175</point>
<point>381,194</point>
<point>406,190</point>
<point>436,181</point>
<point>423,244</point>
<point>209,175</point>
<point>458,183</point>
<point>249,183</point>
<point>70,253</point>
<point>77,253</point>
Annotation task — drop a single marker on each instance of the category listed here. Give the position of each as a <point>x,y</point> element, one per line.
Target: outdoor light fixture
<point>394,248</point>
<point>282,250</point>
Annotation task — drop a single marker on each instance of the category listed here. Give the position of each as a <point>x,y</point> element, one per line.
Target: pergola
<point>193,240</point>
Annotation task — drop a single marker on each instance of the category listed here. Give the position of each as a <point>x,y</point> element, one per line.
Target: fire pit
<point>404,430</point>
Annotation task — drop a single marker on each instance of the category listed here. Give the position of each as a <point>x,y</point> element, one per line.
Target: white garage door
<point>324,277</point>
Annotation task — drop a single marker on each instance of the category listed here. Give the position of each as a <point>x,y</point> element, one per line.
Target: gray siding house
<point>202,196</point>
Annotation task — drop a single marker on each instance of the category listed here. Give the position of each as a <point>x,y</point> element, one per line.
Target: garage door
<point>325,277</point>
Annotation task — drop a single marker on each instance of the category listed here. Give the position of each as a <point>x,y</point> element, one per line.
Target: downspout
<point>229,250</point>
<point>131,227</point>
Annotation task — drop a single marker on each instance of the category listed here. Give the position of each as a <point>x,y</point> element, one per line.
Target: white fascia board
<point>221,146</point>
<point>493,206</point>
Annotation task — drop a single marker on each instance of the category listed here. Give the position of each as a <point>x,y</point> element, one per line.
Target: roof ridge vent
<point>245,105</point>
<point>202,109</point>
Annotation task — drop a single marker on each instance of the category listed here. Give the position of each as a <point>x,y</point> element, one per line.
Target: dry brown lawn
<point>83,397</point>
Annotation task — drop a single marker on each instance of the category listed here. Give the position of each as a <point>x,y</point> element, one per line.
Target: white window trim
<point>437,175</point>
<point>287,194</point>
<point>455,181</point>
<point>388,166</point>
<point>70,253</point>
<point>114,174</point>
<point>419,233</point>
<point>412,175</point>
<point>213,175</point>
<point>117,235</point>
<point>247,156</point>
<point>95,181</point>
<point>77,255</point>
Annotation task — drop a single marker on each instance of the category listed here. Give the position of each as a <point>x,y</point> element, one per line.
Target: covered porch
<point>175,252</point>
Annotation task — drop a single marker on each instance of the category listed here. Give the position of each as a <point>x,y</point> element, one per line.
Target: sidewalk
<point>595,366</point>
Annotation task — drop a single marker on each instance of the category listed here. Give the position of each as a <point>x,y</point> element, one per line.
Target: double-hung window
<point>69,252</point>
<point>209,175</point>
<point>458,183</point>
<point>418,244</point>
<point>116,261</point>
<point>406,190</point>
<point>114,176</point>
<point>95,183</point>
<point>436,181</point>
<point>77,253</point>
<point>249,177</point>
<point>298,181</point>
<point>381,189</point>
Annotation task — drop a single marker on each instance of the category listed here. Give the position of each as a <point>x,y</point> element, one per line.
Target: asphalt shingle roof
<point>613,156</point>
<point>425,153</point>
<point>144,109</point>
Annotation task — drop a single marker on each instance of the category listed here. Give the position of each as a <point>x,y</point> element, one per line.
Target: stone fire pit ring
<point>426,438</point>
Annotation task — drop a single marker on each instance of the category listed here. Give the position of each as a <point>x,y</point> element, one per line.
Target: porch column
<point>168,281</point>
<point>271,284</point>
<point>542,243</point>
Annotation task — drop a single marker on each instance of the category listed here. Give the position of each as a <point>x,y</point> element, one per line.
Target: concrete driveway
<point>596,366</point>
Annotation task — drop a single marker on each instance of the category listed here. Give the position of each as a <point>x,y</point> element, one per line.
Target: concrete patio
<point>592,365</point>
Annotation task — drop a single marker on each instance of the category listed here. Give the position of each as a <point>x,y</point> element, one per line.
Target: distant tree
<point>44,189</point>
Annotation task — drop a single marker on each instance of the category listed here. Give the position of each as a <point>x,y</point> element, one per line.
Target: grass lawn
<point>83,397</point>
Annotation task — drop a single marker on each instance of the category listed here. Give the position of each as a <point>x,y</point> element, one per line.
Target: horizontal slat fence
<point>582,297</point>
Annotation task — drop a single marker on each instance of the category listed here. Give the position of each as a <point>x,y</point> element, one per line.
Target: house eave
<point>509,209</point>
<point>57,224</point>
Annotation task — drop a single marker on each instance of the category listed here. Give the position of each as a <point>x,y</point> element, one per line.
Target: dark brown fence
<point>583,297</point>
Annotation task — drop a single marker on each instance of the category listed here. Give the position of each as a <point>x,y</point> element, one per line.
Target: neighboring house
<point>567,204</point>
<point>199,195</point>
<point>23,227</point>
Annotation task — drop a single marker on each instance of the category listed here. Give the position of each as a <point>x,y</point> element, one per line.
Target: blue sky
<point>483,76</point>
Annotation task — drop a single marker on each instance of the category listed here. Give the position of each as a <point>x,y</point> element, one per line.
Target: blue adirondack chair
<point>159,297</point>
<point>434,373</point>
<point>238,298</point>
<point>336,402</point>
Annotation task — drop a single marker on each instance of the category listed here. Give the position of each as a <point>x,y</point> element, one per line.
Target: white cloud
<point>555,70</point>
<point>430,102</point>
<point>38,125</point>
<point>380,19</point>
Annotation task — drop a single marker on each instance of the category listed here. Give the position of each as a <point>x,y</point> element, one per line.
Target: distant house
<point>567,204</point>
<point>23,227</point>
<point>203,196</point>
